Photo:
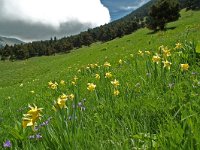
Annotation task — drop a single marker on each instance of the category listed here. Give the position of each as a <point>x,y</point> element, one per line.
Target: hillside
<point>187,26</point>
<point>157,107</point>
<point>143,10</point>
<point>9,41</point>
<point>140,12</point>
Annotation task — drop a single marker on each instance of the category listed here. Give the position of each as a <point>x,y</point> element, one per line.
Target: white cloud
<point>129,7</point>
<point>139,4</point>
<point>54,13</point>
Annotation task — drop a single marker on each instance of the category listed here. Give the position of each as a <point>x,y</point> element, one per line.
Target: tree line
<point>50,47</point>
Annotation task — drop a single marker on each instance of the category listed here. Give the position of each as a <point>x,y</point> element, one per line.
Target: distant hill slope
<point>142,11</point>
<point>9,41</point>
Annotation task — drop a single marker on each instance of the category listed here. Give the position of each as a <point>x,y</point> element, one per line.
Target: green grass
<point>156,109</point>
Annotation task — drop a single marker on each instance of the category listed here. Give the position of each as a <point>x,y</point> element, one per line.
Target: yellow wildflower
<point>75,78</point>
<point>62,82</point>
<point>63,97</point>
<point>107,64</point>
<point>148,52</point>
<point>184,67</point>
<point>50,83</point>
<point>73,83</point>
<point>166,52</point>
<point>116,92</point>
<point>92,66</point>
<point>53,85</point>
<point>161,47</point>
<point>97,76</point>
<point>91,86</point>
<point>34,111</point>
<point>178,46</point>
<point>115,83</point>
<point>167,64</point>
<point>120,61</point>
<point>131,55</point>
<point>108,75</point>
<point>32,92</point>
<point>71,96</point>
<point>156,59</point>
<point>140,53</point>
<point>96,65</point>
<point>61,103</point>
<point>31,117</point>
<point>26,122</point>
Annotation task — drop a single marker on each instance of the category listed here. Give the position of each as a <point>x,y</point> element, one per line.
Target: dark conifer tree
<point>162,12</point>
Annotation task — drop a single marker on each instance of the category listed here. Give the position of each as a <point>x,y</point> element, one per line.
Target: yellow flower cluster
<point>92,66</point>
<point>115,83</point>
<point>74,81</point>
<point>53,85</point>
<point>165,52</point>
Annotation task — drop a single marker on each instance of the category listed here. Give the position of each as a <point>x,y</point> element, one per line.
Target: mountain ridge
<point>9,41</point>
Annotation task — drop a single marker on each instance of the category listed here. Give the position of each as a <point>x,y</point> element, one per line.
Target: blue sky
<point>120,8</point>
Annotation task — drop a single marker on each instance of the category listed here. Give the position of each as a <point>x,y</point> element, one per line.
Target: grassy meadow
<point>128,93</point>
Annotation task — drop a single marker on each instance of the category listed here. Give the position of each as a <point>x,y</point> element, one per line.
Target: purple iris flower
<point>7,144</point>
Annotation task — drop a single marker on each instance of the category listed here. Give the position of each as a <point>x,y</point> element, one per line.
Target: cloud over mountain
<point>41,19</point>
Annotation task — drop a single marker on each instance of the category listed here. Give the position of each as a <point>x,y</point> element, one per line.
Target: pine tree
<point>161,13</point>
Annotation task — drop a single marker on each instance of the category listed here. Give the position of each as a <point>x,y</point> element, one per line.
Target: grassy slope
<point>12,74</point>
<point>36,72</point>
